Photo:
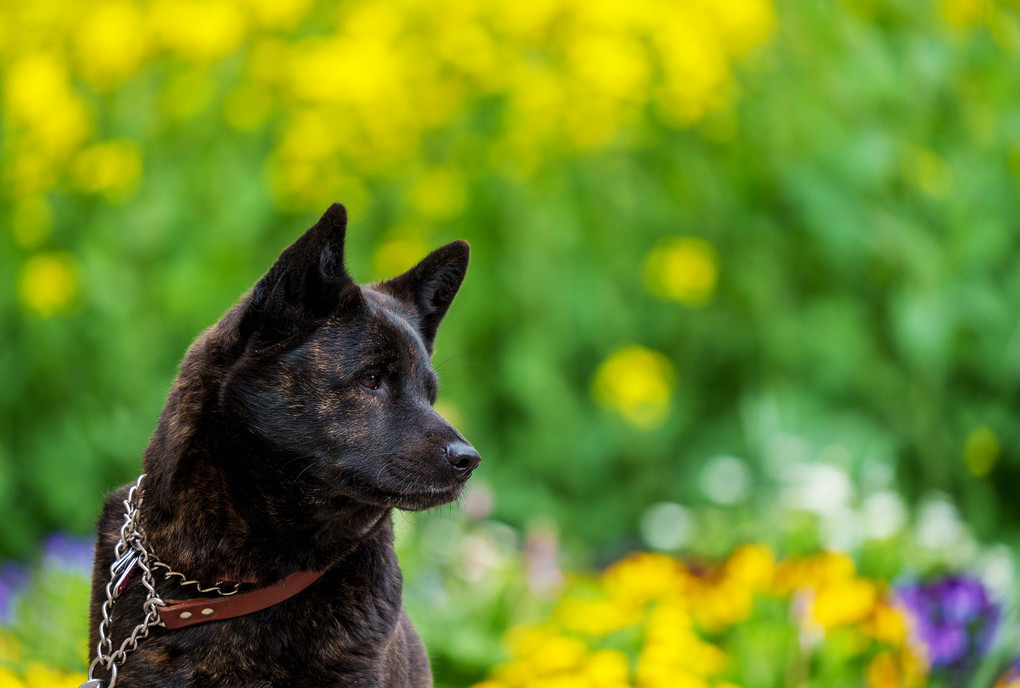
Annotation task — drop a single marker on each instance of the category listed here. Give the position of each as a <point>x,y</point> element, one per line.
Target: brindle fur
<point>270,457</point>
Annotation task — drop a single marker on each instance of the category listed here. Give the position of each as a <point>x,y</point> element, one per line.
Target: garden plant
<point>739,341</point>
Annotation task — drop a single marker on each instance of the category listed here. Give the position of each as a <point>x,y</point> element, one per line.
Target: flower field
<point>648,620</point>
<point>738,343</point>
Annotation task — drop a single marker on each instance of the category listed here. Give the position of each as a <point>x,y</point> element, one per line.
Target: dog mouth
<point>418,500</point>
<point>428,500</point>
<point>406,494</point>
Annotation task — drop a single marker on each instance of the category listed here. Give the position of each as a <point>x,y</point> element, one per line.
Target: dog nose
<point>462,456</point>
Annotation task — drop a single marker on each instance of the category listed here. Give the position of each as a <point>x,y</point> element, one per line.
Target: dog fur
<point>296,424</point>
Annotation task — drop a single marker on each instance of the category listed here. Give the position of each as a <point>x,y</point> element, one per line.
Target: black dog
<point>296,424</point>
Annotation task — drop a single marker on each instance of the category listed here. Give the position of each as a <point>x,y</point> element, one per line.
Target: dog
<point>295,426</point>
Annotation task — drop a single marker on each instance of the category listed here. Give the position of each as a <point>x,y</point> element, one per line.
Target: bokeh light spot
<point>636,383</point>
<point>48,284</point>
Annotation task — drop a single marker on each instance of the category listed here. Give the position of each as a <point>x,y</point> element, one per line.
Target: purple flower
<point>13,578</point>
<point>963,599</point>
<point>68,553</point>
<point>954,620</point>
<point>946,644</point>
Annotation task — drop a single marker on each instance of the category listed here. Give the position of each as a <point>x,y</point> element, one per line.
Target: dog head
<point>335,377</point>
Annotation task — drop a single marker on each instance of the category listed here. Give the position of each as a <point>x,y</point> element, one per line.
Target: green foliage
<point>816,267</point>
<point>858,195</point>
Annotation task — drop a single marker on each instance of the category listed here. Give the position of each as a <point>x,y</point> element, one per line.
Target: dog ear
<point>307,283</point>
<point>429,287</point>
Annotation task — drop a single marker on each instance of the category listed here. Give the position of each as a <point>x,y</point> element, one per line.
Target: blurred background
<point>741,271</point>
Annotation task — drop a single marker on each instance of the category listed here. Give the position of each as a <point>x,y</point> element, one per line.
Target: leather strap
<point>183,613</point>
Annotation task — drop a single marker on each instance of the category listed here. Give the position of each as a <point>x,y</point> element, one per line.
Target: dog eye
<point>370,381</point>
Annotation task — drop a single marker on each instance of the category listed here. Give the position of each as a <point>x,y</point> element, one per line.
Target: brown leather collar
<point>183,613</point>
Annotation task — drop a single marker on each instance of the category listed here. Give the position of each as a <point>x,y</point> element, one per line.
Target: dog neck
<point>212,517</point>
<point>221,503</point>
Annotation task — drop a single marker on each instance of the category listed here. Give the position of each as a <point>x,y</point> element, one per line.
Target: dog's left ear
<point>429,287</point>
<point>307,283</point>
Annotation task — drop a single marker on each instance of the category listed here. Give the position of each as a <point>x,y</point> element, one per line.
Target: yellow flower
<point>39,676</point>
<point>111,168</point>
<point>560,681</point>
<point>673,648</point>
<point>525,20</point>
<point>668,678</point>
<point>695,65</point>
<point>883,672</point>
<point>673,606</point>
<point>899,669</point>
<point>669,625</point>
<point>810,572</point>
<point>469,48</point>
<point>615,66</point>
<point>110,42</point>
<point>717,605</point>
<point>606,669</point>
<point>199,31</point>
<point>574,76</point>
<point>542,650</point>
<point>637,383</point>
<point>31,85</point>
<point>642,578</point>
<point>372,71</point>
<point>39,101</point>
<point>842,603</point>
<point>746,24</point>
<point>887,624</point>
<point>48,284</point>
<point>594,617</point>
<point>557,654</point>
<point>274,14</point>
<point>751,566</point>
<point>8,679</point>
<point>683,269</point>
<point>514,673</point>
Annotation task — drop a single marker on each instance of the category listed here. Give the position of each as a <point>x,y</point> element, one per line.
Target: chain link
<point>130,553</point>
<point>222,588</point>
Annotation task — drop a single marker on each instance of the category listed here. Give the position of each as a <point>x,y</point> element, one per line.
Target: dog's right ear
<point>307,283</point>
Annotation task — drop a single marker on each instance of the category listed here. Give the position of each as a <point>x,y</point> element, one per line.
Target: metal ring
<point>92,667</point>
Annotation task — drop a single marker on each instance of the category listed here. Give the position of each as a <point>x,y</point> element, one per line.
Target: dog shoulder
<point>405,663</point>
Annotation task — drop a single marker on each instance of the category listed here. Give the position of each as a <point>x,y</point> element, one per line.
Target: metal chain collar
<point>130,553</point>
<point>221,588</point>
